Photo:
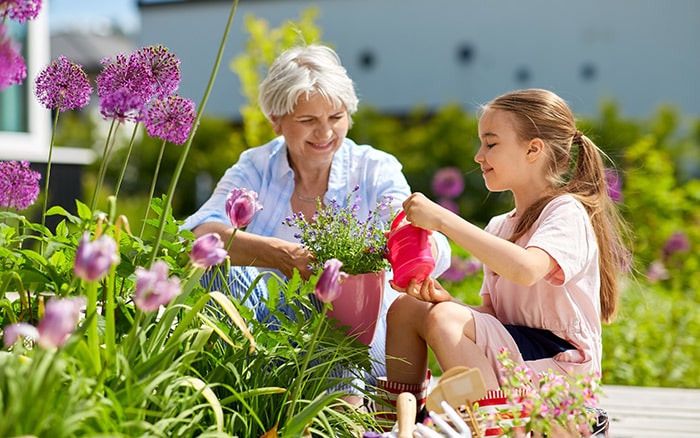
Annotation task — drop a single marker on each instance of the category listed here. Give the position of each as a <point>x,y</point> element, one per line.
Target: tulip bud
<point>208,250</point>
<point>241,206</point>
<point>154,288</point>
<point>328,286</point>
<point>94,259</point>
<point>59,321</point>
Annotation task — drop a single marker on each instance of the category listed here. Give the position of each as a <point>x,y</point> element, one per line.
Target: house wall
<point>642,53</point>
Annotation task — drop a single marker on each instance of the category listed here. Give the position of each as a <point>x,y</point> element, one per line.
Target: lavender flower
<point>19,185</point>
<point>614,183</point>
<point>164,69</point>
<point>208,250</point>
<point>94,259</point>
<point>20,10</point>
<point>448,182</point>
<point>154,288</point>
<point>63,85</point>
<point>14,332</point>
<point>241,206</point>
<point>13,70</point>
<point>170,119</point>
<point>124,87</point>
<point>59,321</point>
<point>328,285</point>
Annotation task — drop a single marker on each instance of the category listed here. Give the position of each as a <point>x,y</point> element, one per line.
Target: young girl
<point>550,265</point>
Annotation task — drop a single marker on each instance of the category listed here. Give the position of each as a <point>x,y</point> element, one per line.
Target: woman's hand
<point>293,256</point>
<point>429,290</point>
<point>424,213</point>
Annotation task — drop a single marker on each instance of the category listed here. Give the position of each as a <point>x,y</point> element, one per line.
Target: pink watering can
<point>409,251</point>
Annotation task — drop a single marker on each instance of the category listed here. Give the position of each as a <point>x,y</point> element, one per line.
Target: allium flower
<point>461,268</point>
<point>15,332</point>
<point>678,242</point>
<point>328,286</point>
<point>448,182</point>
<point>241,206</point>
<point>13,70</point>
<point>124,87</point>
<point>170,119</point>
<point>20,10</point>
<point>63,85</point>
<point>164,69</point>
<point>59,321</point>
<point>19,185</point>
<point>449,204</point>
<point>208,250</point>
<point>657,271</point>
<point>94,259</point>
<point>614,182</point>
<point>154,288</point>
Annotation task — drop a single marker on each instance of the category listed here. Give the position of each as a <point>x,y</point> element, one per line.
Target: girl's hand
<point>429,290</point>
<point>424,213</point>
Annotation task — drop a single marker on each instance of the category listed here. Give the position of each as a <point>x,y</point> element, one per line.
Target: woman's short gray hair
<point>306,70</point>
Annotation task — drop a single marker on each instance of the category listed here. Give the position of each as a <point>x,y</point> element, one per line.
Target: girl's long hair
<point>576,167</point>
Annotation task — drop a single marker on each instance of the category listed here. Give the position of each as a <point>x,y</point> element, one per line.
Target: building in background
<point>403,53</point>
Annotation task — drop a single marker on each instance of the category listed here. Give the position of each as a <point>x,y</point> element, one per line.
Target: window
<point>24,124</point>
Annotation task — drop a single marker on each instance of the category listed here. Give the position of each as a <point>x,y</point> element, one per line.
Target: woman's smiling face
<point>314,131</point>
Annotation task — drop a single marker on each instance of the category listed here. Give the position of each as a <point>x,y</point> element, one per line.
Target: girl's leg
<point>406,348</point>
<point>450,331</point>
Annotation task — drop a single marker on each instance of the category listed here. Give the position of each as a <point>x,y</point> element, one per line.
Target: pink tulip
<point>328,286</point>
<point>154,288</point>
<point>14,332</point>
<point>59,321</point>
<point>241,206</point>
<point>208,250</point>
<point>94,259</point>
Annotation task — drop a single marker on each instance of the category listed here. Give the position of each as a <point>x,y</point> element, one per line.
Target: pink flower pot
<point>359,304</point>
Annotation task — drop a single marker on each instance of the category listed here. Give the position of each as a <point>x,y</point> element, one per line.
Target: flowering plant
<point>336,232</point>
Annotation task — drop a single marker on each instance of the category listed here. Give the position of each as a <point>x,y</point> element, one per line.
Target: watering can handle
<point>397,220</point>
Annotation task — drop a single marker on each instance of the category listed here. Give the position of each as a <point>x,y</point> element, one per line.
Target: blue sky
<point>86,13</point>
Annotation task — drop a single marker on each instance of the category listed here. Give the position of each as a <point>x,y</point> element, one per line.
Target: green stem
<point>92,333</point>
<point>153,188</point>
<point>126,160</point>
<point>296,393</point>
<point>48,170</point>
<point>109,307</point>
<point>188,144</point>
<point>103,165</point>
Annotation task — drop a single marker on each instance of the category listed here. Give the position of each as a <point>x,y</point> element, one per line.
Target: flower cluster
<point>63,85</point>
<point>336,232</point>
<point>448,184</point>
<point>13,70</point>
<point>19,185</point>
<point>551,401</point>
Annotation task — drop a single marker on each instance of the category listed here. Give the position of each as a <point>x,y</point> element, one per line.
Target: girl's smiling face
<point>503,157</point>
<point>314,131</point>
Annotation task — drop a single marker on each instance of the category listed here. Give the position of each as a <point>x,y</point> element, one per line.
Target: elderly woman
<point>309,99</point>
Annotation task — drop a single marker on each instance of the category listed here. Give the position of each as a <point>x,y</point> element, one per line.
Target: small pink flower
<point>241,206</point>
<point>208,250</point>
<point>59,321</point>
<point>657,272</point>
<point>328,286</point>
<point>677,243</point>
<point>154,288</point>
<point>15,332</point>
<point>94,259</point>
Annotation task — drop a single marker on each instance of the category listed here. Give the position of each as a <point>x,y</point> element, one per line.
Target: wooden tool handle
<point>406,414</point>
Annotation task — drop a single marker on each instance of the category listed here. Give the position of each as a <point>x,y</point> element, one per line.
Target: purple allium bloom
<point>163,67</point>
<point>13,70</point>
<point>678,242</point>
<point>657,272</point>
<point>208,250</point>
<point>63,85</point>
<point>241,206</point>
<point>19,185</point>
<point>14,332</point>
<point>59,321</point>
<point>449,204</point>
<point>170,119</point>
<point>614,183</point>
<point>122,105</point>
<point>94,259</point>
<point>124,87</point>
<point>154,288</point>
<point>328,285</point>
<point>20,10</point>
<point>448,182</point>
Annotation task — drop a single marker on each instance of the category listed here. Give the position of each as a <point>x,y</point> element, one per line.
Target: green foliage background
<point>653,340</point>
